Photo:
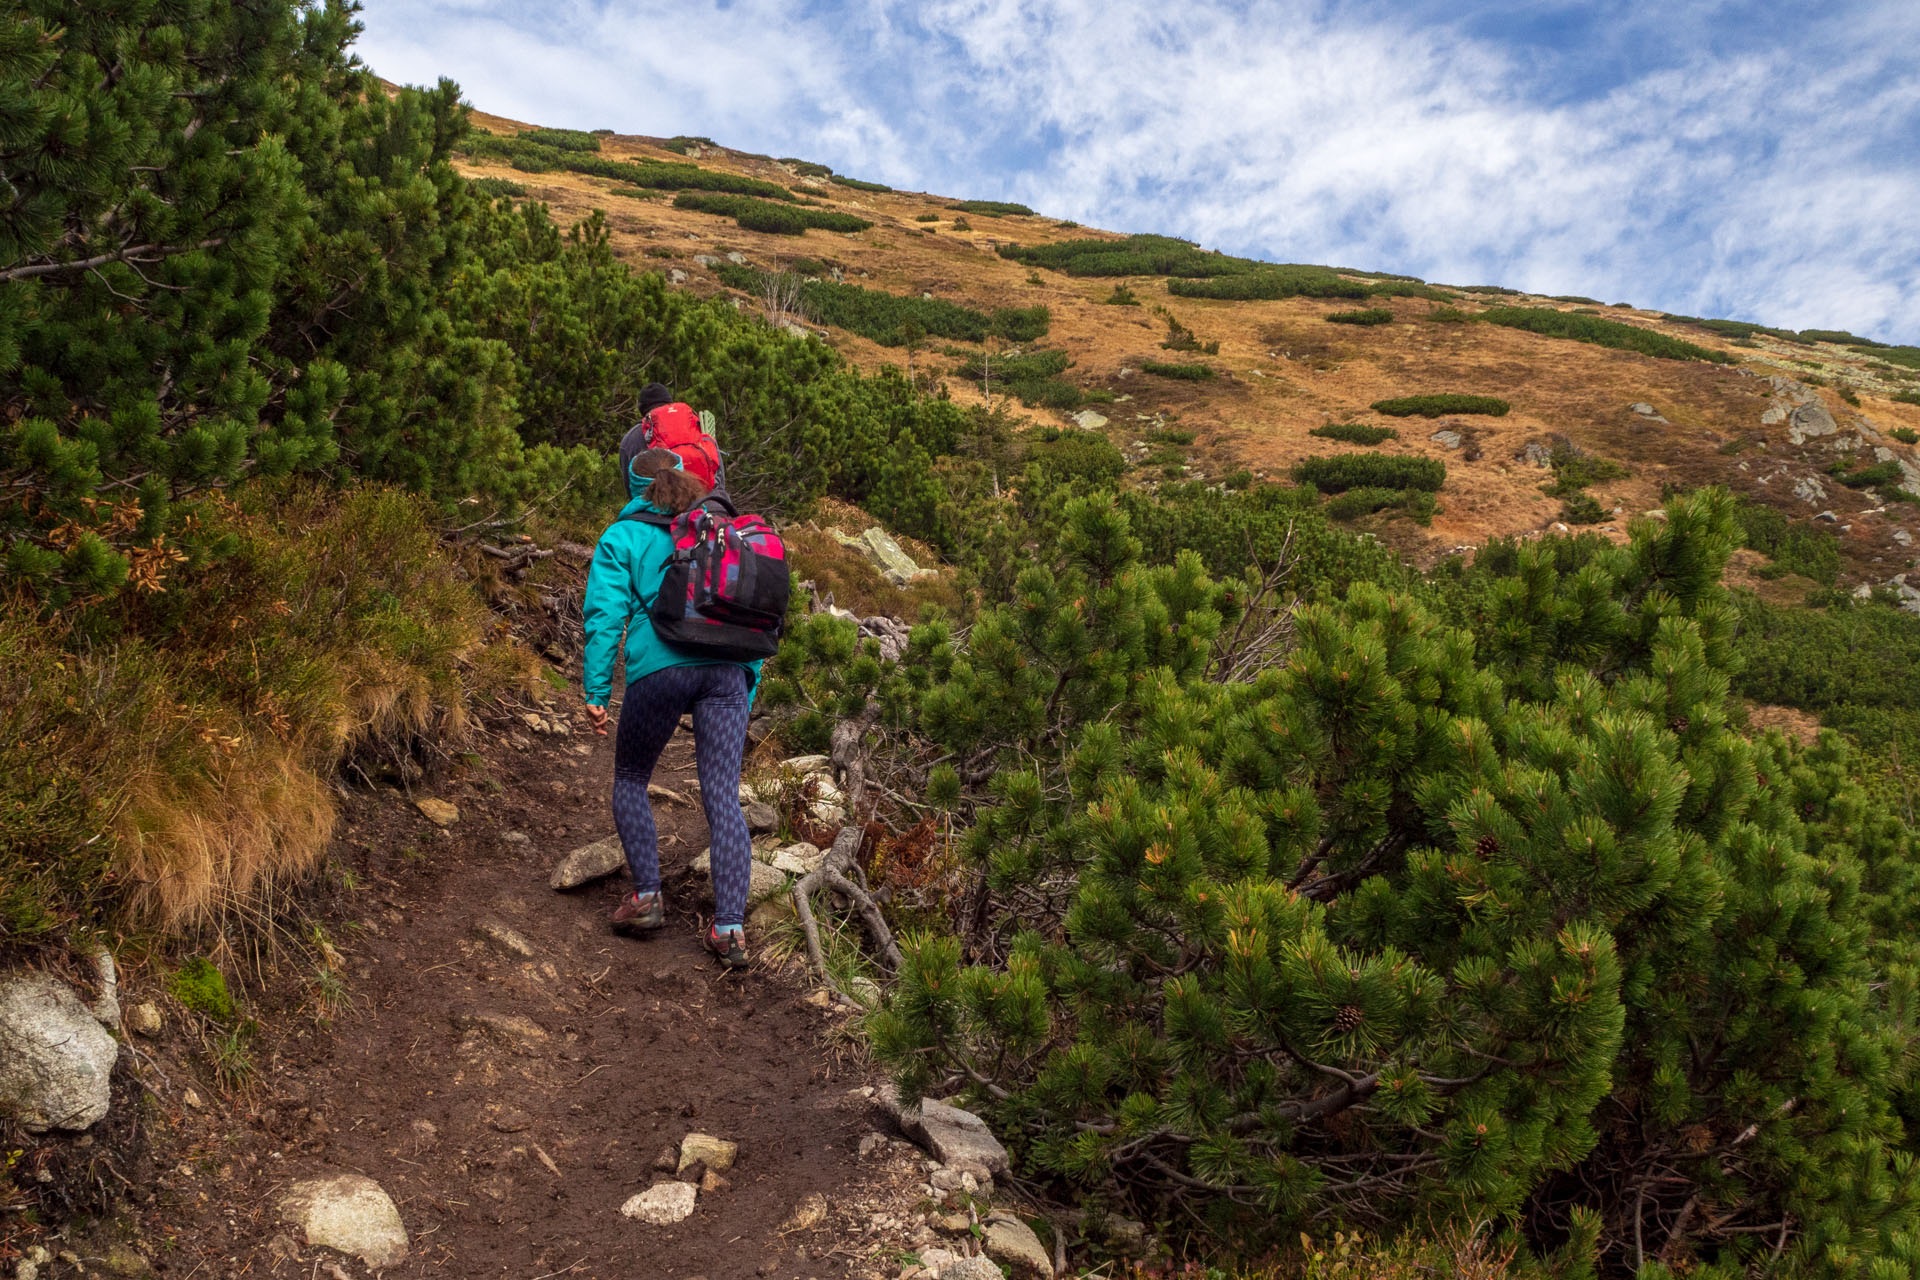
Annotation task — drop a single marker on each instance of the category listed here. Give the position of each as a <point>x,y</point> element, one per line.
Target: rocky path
<point>512,1074</point>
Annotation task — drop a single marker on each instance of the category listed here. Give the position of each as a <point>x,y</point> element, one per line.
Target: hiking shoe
<point>730,944</point>
<point>639,915</point>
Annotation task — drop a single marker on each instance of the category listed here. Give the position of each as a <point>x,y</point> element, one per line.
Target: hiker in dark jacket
<point>653,396</point>
<point>662,685</point>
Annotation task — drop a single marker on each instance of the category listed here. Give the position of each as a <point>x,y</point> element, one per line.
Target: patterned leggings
<point>649,713</point>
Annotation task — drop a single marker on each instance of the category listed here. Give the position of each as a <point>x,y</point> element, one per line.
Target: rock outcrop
<point>56,1060</point>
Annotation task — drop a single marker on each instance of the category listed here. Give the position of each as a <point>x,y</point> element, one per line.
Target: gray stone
<point>663,1204</point>
<point>974,1268</point>
<point>1810,421</point>
<point>958,1139</point>
<point>55,1058</point>
<point>588,862</point>
<point>760,816</point>
<point>1828,517</point>
<point>1775,415</point>
<point>1644,409</point>
<point>1446,439</point>
<point>737,258</point>
<point>351,1213</point>
<point>1088,420</point>
<point>676,275</point>
<point>1013,1242</point>
<point>1902,537</point>
<point>144,1019</point>
<point>706,259</point>
<point>519,839</point>
<point>763,881</point>
<point>703,1148</point>
<point>1537,453</point>
<point>1809,489</point>
<point>107,1008</point>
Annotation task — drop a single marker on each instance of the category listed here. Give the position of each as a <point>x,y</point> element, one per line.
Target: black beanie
<point>653,395</point>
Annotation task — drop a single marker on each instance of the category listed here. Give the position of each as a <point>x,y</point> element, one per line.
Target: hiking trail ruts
<point>510,1071</point>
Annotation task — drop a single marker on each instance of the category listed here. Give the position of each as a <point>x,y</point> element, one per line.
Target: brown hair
<point>673,490</point>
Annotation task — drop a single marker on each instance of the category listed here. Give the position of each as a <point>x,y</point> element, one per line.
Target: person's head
<point>653,395</point>
<point>656,474</point>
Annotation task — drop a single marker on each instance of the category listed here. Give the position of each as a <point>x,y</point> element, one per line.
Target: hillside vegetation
<point>1287,828</point>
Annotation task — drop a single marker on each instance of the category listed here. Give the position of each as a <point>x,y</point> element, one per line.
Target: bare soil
<point>511,1155</point>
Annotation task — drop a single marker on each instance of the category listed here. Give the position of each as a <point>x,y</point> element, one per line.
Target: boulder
<point>957,1139</point>
<point>1810,421</point>
<point>438,812</point>
<point>878,546</point>
<point>1013,1242</point>
<point>663,1204</point>
<point>703,1148</point>
<point>1809,489</point>
<point>1447,439</point>
<point>1088,420</point>
<point>55,1058</point>
<point>974,1268</point>
<point>351,1213</point>
<point>588,862</point>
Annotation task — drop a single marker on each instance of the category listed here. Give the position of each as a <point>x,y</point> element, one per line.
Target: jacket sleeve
<point>610,602</point>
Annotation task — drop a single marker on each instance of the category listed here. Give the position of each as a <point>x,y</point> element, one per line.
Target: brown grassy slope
<point>1284,370</point>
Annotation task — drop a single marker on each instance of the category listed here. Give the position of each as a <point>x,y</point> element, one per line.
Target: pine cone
<point>1679,724</point>
<point>1348,1018</point>
<point>1486,846</point>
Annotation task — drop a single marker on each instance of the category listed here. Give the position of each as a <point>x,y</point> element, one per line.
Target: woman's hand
<point>597,716</point>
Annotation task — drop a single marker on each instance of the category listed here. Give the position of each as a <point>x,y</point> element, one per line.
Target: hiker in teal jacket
<point>662,685</point>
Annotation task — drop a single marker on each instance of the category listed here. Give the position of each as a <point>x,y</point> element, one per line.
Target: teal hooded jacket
<point>628,564</point>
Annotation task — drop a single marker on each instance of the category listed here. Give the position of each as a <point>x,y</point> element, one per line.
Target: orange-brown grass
<point>1284,370</point>
<point>167,763</point>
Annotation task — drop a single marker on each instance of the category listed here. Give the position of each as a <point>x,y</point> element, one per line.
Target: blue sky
<point>1758,160</point>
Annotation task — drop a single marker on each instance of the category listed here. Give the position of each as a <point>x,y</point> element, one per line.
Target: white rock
<point>55,1058</point>
<point>703,1148</point>
<point>662,1205</point>
<point>588,862</point>
<point>1088,420</point>
<point>795,859</point>
<point>974,1268</point>
<point>351,1213</point>
<point>763,881</point>
<point>805,765</point>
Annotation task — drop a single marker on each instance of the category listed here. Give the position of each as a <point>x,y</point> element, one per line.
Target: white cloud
<point>1774,182</point>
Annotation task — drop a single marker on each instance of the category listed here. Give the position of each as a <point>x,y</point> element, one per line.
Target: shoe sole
<point>637,929</point>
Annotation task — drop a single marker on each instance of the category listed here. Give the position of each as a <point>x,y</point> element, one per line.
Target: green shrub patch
<point>1180,372</point>
<point>1601,332</point>
<point>992,208</point>
<point>1371,316</point>
<point>761,215</point>
<point>1354,433</point>
<point>1439,406</point>
<point>1336,473</point>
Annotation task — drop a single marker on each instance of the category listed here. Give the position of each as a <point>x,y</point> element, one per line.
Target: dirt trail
<point>510,1154</point>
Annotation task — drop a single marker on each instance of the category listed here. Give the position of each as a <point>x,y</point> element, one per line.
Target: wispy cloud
<point>1753,158</point>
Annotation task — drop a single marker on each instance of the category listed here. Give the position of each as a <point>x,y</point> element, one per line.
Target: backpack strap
<point>649,517</point>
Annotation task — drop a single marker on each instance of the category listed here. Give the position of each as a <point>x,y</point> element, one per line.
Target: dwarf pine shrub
<point>1370,316</point>
<point>1601,332</point>
<point>762,215</point>
<point>992,208</point>
<point>858,185</point>
<point>1439,406</point>
<point>1354,433</point>
<point>1179,372</point>
<point>1336,473</point>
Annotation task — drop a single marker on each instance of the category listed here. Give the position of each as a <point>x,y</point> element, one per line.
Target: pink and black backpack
<point>726,588</point>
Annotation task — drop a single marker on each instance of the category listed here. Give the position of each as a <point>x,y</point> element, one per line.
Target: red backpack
<point>677,427</point>
<point>726,588</point>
